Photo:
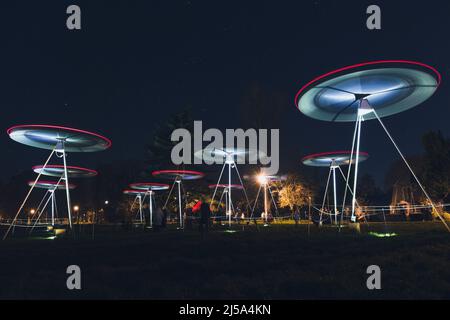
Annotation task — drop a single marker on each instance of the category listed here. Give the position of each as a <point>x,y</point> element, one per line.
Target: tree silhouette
<point>436,167</point>
<point>160,147</point>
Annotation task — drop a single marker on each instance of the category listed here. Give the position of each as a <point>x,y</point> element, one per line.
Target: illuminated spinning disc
<point>338,158</point>
<point>58,171</point>
<point>211,155</point>
<point>225,186</point>
<point>390,87</point>
<point>134,192</point>
<point>149,186</point>
<point>51,185</point>
<point>178,174</point>
<point>49,137</point>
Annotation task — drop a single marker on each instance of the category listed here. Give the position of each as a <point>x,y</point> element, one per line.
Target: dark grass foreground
<point>277,262</point>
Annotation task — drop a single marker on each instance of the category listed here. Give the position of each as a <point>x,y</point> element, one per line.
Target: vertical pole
<point>179,204</point>
<point>140,207</point>
<point>256,201</point>
<point>218,182</point>
<point>309,213</point>
<point>325,197</point>
<point>66,178</point>
<point>226,202</point>
<point>355,180</point>
<point>265,202</point>
<point>151,209</point>
<point>93,224</point>
<point>40,213</point>
<point>53,208</point>
<point>273,201</point>
<point>347,187</point>
<point>229,194</point>
<point>334,194</point>
<point>348,174</point>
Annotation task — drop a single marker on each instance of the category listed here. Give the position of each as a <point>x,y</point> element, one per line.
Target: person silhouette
<point>205,213</point>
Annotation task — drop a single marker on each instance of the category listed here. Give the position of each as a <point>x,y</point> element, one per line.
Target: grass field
<point>276,262</point>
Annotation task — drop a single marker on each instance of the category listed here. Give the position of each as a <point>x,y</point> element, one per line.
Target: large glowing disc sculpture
<point>390,87</point>
<point>365,91</point>
<point>134,192</point>
<point>334,160</point>
<point>138,194</point>
<point>58,171</point>
<point>225,191</point>
<point>49,197</point>
<point>60,140</point>
<point>265,181</point>
<point>178,176</point>
<point>229,157</point>
<point>51,185</point>
<point>239,155</point>
<point>49,136</point>
<point>150,188</point>
<point>337,158</point>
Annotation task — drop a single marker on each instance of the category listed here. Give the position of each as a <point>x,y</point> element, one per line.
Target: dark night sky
<point>136,62</point>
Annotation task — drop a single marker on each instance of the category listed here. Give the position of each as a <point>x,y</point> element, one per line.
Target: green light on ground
<point>382,235</point>
<point>230,231</point>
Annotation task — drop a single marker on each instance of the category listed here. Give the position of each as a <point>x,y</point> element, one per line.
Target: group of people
<point>203,213</point>
<point>159,218</point>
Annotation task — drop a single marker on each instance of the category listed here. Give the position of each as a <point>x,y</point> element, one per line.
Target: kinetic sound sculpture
<point>333,160</point>
<point>366,91</point>
<point>229,157</point>
<point>229,208</point>
<point>137,197</point>
<point>51,187</point>
<point>60,140</point>
<point>58,171</point>
<point>149,189</point>
<point>178,176</point>
<point>265,182</point>
<point>53,170</point>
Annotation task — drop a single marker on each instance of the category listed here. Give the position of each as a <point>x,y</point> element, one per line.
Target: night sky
<point>134,63</point>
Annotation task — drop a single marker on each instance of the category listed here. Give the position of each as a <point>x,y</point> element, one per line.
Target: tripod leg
<point>412,172</point>
<point>325,197</point>
<point>355,179</point>
<point>27,196</point>
<point>66,178</point>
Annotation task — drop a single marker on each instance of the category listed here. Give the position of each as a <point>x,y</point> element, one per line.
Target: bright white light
<point>261,179</point>
<point>76,208</point>
<point>106,201</point>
